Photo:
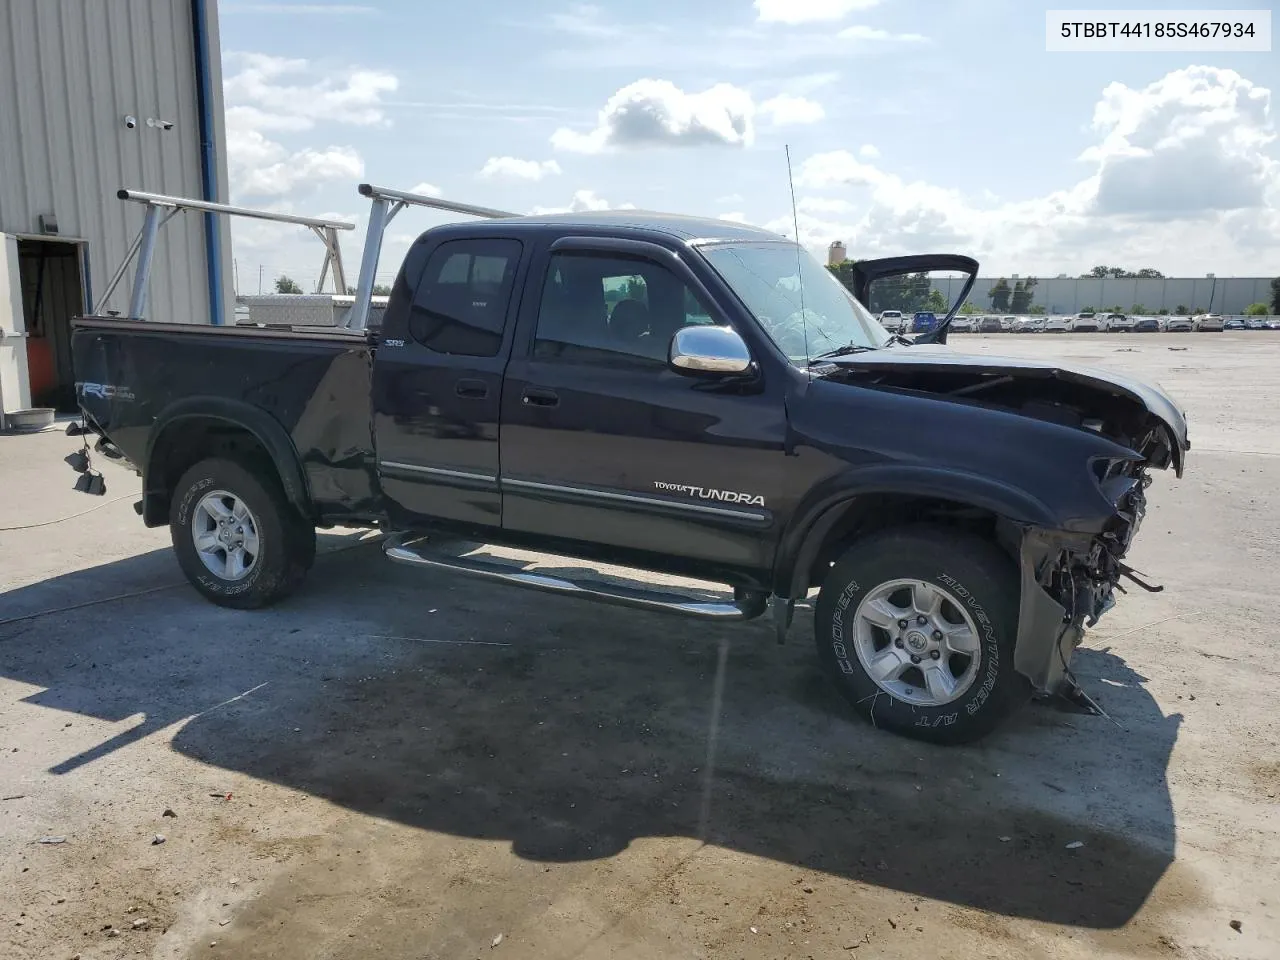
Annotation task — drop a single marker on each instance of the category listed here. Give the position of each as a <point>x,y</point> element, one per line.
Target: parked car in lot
<point>1179,324</point>
<point>1146,325</point>
<point>924,322</point>
<point>1209,322</point>
<point>989,325</point>
<point>508,396</point>
<point>1117,323</point>
<point>1234,323</point>
<point>1057,324</point>
<point>961,324</point>
<point>1084,323</point>
<point>893,321</point>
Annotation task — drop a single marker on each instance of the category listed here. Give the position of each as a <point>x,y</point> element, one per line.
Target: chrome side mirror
<point>711,350</point>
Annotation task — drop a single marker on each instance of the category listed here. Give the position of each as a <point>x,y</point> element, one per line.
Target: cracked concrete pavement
<point>397,764</point>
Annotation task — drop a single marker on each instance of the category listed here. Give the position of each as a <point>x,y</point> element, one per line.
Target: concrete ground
<point>402,765</point>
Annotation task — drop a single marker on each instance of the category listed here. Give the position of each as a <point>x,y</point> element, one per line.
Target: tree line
<point>286,284</point>
<point>913,292</point>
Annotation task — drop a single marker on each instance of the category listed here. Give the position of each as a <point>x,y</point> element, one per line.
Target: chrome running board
<point>419,553</point>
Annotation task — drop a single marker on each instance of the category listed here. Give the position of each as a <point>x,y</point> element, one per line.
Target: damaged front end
<point>1070,571</point>
<point>1069,579</point>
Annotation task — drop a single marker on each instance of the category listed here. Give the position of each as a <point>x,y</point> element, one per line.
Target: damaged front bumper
<point>1069,582</point>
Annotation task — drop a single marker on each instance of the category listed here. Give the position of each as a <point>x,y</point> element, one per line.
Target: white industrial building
<point>97,95</point>
<point>1066,295</point>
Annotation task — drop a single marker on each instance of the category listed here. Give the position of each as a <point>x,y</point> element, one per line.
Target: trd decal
<point>103,391</point>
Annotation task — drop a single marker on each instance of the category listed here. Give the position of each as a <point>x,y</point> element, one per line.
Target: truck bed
<point>308,388</point>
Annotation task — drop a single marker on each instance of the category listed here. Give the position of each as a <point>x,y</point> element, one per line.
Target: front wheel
<point>237,538</point>
<point>917,628</point>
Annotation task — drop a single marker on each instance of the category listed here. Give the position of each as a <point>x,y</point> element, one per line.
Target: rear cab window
<point>462,298</point>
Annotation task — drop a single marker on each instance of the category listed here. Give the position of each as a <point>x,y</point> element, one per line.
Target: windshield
<point>804,309</point>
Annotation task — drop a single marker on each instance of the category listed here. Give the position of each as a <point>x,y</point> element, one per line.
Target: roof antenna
<point>795,220</point>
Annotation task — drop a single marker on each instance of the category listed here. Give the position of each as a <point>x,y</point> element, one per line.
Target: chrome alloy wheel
<point>225,534</point>
<point>917,642</point>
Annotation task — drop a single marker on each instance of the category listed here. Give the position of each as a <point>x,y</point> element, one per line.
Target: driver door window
<point>611,310</point>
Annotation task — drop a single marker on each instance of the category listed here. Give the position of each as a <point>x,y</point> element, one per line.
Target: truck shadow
<point>570,730</point>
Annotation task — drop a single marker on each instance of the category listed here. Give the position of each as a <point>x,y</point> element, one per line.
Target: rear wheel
<point>917,628</point>
<point>237,538</point>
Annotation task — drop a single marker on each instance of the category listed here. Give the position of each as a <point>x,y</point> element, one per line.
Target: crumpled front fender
<point>1047,637</point>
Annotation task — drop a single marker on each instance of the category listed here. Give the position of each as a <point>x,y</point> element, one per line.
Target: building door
<point>52,293</point>
<point>14,391</point>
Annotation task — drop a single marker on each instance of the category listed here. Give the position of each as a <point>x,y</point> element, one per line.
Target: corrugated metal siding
<point>70,71</point>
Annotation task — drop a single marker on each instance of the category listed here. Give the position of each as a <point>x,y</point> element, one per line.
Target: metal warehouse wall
<point>70,71</point>
<point>1226,295</point>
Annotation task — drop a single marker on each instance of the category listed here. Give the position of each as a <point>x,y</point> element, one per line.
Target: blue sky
<point>914,126</point>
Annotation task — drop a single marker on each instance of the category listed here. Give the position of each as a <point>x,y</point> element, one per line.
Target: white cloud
<point>786,109</point>
<point>835,168</point>
<point>1181,178</point>
<point>658,113</point>
<point>860,32</point>
<point>513,168</point>
<point>281,148</point>
<point>425,189</point>
<point>584,20</point>
<point>735,216</point>
<point>271,96</point>
<point>303,167</point>
<point>869,151</point>
<point>897,216</point>
<point>825,205</point>
<point>1192,142</point>
<point>808,11</point>
<point>260,167</point>
<point>290,94</point>
<point>583,201</point>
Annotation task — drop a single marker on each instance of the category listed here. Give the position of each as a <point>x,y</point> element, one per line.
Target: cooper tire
<point>285,542</point>
<point>976,576</point>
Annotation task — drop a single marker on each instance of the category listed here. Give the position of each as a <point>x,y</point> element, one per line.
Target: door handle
<point>535,397</point>
<point>472,389</point>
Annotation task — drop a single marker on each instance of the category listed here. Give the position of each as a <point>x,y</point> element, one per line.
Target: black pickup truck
<point>680,395</point>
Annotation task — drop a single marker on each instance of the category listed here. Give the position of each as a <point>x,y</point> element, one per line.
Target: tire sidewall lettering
<point>980,579</point>
<point>927,717</point>
<point>211,583</point>
<point>989,643</point>
<point>838,646</point>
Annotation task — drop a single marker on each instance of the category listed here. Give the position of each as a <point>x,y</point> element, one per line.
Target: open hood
<point>1121,407</point>
<point>867,272</point>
